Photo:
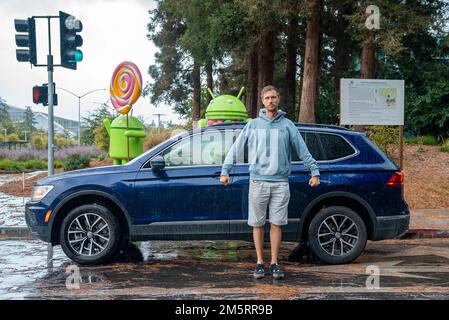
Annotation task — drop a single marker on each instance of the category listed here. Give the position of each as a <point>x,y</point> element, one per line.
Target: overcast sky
<point>113,31</point>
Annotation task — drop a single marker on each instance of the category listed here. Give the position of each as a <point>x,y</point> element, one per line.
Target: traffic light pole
<point>50,115</point>
<point>51,88</point>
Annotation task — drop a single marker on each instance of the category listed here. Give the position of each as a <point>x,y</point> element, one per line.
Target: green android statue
<point>118,136</point>
<point>224,109</point>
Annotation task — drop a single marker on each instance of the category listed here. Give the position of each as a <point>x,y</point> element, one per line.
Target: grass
<point>445,146</point>
<point>422,140</point>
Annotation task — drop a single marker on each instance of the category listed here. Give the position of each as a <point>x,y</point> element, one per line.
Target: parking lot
<point>406,269</point>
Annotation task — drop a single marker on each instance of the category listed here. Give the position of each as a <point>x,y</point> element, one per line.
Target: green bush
<point>385,137</point>
<point>422,140</point>
<point>102,156</point>
<point>35,164</point>
<point>445,146</point>
<point>38,142</point>
<point>13,137</point>
<point>58,164</point>
<point>101,138</point>
<point>75,162</point>
<point>11,165</point>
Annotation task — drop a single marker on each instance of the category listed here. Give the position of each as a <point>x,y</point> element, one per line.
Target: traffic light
<point>69,40</point>
<point>26,39</point>
<point>40,95</point>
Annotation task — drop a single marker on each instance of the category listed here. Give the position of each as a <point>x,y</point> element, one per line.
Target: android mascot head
<point>224,109</point>
<point>120,134</point>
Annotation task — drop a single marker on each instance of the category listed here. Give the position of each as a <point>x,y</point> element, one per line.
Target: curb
<point>15,232</point>
<point>425,233</point>
<point>24,232</point>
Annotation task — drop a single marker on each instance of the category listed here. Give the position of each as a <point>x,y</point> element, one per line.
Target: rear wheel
<point>337,235</point>
<point>90,234</point>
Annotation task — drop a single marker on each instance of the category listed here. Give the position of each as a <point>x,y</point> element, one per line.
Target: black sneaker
<point>276,271</point>
<point>259,271</point>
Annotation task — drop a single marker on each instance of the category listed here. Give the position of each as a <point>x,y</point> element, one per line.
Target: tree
<point>311,63</point>
<point>5,118</point>
<point>93,121</point>
<point>28,122</point>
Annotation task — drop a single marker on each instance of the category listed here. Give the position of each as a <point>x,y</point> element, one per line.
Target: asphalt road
<point>393,269</point>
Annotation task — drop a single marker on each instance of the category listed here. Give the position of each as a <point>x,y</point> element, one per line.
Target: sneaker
<point>259,271</point>
<point>276,271</point>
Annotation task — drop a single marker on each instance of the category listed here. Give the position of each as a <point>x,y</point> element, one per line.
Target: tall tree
<point>289,99</point>
<point>311,63</point>
<point>5,118</point>
<point>28,122</point>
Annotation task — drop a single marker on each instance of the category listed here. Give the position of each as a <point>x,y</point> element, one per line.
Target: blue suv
<point>173,192</point>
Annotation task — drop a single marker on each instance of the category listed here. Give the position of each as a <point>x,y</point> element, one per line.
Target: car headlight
<point>39,192</point>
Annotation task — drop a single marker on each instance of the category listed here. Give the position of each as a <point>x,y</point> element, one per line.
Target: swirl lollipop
<point>126,86</point>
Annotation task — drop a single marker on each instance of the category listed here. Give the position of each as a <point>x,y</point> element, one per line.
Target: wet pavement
<point>407,269</point>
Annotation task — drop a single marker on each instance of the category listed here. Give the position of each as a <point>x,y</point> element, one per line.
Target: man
<point>270,138</point>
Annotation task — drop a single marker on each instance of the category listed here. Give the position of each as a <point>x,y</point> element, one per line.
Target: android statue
<point>119,135</point>
<point>224,109</point>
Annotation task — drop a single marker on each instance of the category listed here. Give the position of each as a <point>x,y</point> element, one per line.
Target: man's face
<point>271,100</point>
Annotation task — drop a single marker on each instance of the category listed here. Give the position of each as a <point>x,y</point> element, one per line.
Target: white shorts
<point>273,195</point>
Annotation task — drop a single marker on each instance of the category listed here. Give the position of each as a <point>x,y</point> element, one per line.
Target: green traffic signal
<point>70,40</point>
<point>75,56</point>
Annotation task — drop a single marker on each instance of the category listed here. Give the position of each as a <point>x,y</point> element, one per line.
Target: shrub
<point>422,140</point>
<point>76,161</point>
<point>13,137</point>
<point>102,156</point>
<point>154,138</point>
<point>88,151</point>
<point>10,165</point>
<point>445,146</point>
<point>58,164</point>
<point>385,137</point>
<point>35,164</point>
<point>62,142</point>
<point>39,143</point>
<point>101,138</point>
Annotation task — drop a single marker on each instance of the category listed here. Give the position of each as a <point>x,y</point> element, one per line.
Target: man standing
<point>271,138</point>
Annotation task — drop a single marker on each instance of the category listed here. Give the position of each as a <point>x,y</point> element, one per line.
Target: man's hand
<point>314,181</point>
<point>225,180</point>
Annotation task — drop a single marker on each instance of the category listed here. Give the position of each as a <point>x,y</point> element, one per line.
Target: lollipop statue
<point>126,132</point>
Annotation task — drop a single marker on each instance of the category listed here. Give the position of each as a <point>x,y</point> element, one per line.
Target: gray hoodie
<point>270,145</point>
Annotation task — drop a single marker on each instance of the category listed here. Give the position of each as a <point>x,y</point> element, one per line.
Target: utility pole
<point>159,121</point>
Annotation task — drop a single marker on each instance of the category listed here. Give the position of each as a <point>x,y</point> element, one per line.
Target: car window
<point>335,146</point>
<point>205,148</point>
<point>313,144</point>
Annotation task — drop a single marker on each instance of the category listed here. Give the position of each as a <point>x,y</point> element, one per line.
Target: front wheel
<point>90,234</point>
<point>337,235</point>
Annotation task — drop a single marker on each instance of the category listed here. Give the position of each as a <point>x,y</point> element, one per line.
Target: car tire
<point>337,235</point>
<point>90,234</point>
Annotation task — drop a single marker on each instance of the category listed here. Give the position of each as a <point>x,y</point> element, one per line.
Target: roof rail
<point>302,124</point>
<point>330,126</point>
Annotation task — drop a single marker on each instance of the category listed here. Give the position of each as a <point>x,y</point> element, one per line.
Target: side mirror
<point>157,163</point>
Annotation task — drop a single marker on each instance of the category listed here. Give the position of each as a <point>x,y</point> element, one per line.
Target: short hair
<point>269,88</point>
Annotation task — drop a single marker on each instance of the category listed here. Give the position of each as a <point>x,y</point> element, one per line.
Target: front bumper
<point>38,230</point>
<point>391,227</point>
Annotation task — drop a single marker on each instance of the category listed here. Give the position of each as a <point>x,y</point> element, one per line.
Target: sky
<point>113,31</point>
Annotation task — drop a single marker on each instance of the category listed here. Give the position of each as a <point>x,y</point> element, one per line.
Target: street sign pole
<point>50,105</point>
